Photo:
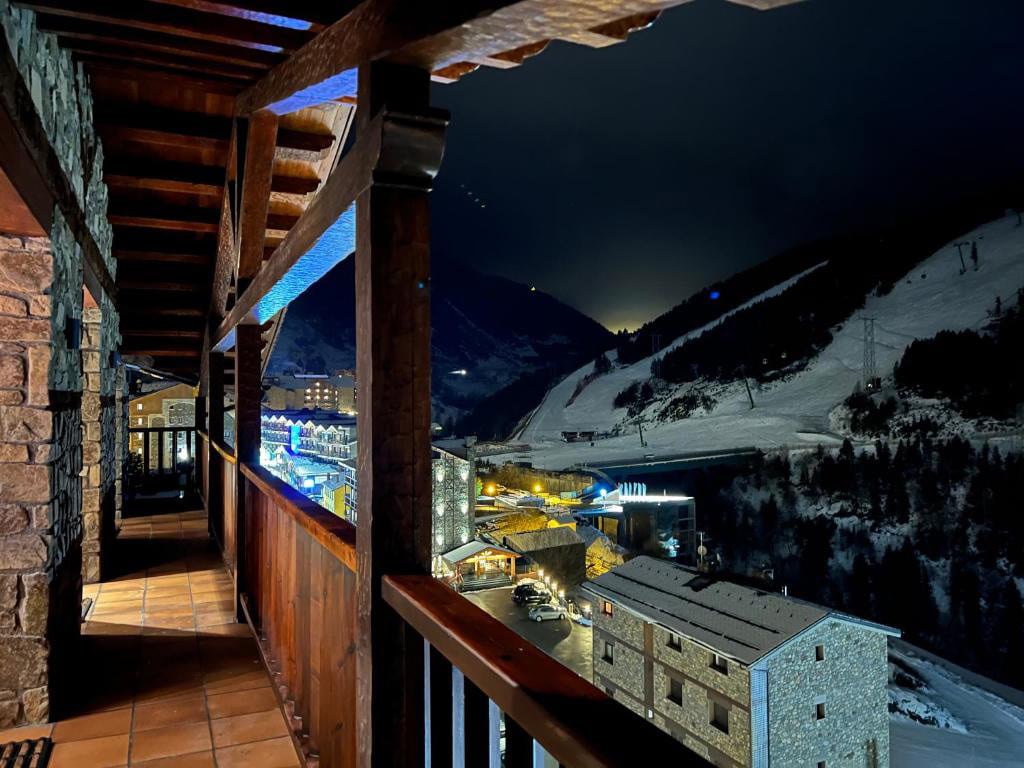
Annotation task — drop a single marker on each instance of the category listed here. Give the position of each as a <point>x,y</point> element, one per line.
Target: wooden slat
<point>69,28</point>
<point>154,215</point>
<point>161,76</point>
<point>169,19</point>
<point>260,139</point>
<point>187,178</point>
<point>318,12</point>
<point>576,723</point>
<point>111,51</point>
<point>132,256</point>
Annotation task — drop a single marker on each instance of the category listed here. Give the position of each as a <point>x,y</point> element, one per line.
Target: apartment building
<point>742,676</point>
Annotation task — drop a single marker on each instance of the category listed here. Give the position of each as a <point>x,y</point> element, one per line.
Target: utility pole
<point>750,396</point>
<point>869,353</point>
<point>640,423</point>
<point>960,252</point>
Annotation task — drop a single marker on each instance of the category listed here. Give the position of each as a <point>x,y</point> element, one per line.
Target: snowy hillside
<point>792,411</point>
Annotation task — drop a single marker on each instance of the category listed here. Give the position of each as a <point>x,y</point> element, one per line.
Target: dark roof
<point>739,621</point>
<point>456,446</point>
<point>545,538</point>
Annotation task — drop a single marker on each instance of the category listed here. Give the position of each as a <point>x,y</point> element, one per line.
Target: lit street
<point>566,641</point>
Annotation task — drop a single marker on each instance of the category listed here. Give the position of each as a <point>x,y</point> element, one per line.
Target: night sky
<point>624,179</point>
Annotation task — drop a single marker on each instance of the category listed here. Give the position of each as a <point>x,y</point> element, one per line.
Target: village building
<point>742,676</point>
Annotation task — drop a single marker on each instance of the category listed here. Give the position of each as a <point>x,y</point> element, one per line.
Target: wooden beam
<point>261,139</point>
<point>34,170</point>
<point>318,12</point>
<point>188,178</point>
<point>431,36</point>
<point>156,215</point>
<point>392,279</point>
<point>169,19</point>
<point>161,76</point>
<point>69,28</point>
<point>111,51</point>
<point>163,332</point>
<point>196,259</point>
<point>248,395</point>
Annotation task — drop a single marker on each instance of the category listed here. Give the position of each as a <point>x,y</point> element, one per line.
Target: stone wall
<point>40,490</point>
<point>851,681</point>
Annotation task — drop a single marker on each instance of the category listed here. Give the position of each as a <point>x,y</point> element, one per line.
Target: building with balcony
<point>311,392</point>
<point>741,676</point>
<point>324,435</point>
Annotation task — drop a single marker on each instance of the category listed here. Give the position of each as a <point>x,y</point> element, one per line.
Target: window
<point>819,710</point>
<point>609,652</point>
<point>719,664</point>
<point>719,716</point>
<point>138,407</point>
<point>675,641</point>
<point>606,608</point>
<point>821,764</point>
<point>819,653</point>
<point>675,690</point>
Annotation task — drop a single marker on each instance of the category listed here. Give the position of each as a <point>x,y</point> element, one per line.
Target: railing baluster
<point>145,453</point>
<point>160,452</point>
<point>477,726</point>
<point>438,703</point>
<point>459,757</point>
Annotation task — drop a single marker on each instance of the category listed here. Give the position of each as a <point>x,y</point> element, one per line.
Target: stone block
<point>24,482</point>
<point>90,500</point>
<point>8,714</point>
<point>11,453</point>
<point>25,425</point>
<point>10,305</point>
<point>25,329</point>
<point>23,662</point>
<point>90,451</point>
<point>25,271</point>
<point>90,406</point>
<point>35,604</point>
<point>39,376</point>
<point>39,306</point>
<point>11,397</point>
<point>22,552</point>
<point>8,591</point>
<point>13,518</point>
<point>36,703</point>
<point>42,453</point>
<point>12,372</point>
<point>90,361</point>
<point>40,515</point>
<point>92,524</point>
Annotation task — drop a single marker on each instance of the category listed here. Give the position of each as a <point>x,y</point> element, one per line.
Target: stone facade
<point>673,682</point>
<point>851,683</point>
<point>41,311</point>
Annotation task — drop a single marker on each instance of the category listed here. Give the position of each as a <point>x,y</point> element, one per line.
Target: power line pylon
<point>870,371</point>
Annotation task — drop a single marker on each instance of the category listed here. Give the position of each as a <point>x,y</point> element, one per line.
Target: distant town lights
<point>537,488</point>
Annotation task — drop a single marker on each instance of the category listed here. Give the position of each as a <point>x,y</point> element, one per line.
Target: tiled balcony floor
<point>169,678</point>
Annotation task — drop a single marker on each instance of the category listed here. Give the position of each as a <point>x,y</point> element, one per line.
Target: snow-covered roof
<point>744,623</point>
<point>471,549</point>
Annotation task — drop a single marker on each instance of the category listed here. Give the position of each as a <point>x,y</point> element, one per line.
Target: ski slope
<point>794,411</point>
<point>995,725</point>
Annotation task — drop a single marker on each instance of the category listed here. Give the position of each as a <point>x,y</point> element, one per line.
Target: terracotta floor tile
<point>93,726</point>
<point>241,729</point>
<point>275,753</point>
<point>240,682</point>
<point>170,741</point>
<point>26,732</point>
<point>186,709</point>
<point>103,752</point>
<point>195,760</point>
<point>241,702</point>
<point>226,630</point>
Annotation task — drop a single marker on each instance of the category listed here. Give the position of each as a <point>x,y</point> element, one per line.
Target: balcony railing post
<point>248,393</point>
<point>392,279</point>
<point>215,431</point>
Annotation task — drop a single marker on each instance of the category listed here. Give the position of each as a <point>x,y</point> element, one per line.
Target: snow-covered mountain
<point>487,331</point>
<point>791,409</point>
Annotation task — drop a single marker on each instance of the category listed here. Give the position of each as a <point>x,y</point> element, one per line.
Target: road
<point>569,643</point>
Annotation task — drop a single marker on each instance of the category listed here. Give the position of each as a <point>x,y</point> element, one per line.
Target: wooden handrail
<point>335,534</point>
<point>575,722</point>
<point>226,453</point>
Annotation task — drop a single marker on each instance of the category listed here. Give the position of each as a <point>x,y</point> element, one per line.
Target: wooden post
<point>392,286</point>
<point>248,393</point>
<point>215,431</point>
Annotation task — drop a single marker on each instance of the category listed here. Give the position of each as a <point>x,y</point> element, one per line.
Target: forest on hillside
<point>926,536</point>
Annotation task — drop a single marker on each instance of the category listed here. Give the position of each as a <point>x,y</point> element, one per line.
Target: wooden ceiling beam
<point>156,215</point>
<point>444,38</point>
<point>163,332</point>
<point>148,257</point>
<point>175,20</point>
<point>315,12</point>
<point>188,178</point>
<point>138,284</point>
<point>260,143</point>
<point>86,50</point>
<point>69,28</point>
<point>161,76</point>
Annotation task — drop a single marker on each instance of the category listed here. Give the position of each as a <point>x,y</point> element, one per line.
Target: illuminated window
<point>606,608</point>
<point>675,642</point>
<point>138,407</point>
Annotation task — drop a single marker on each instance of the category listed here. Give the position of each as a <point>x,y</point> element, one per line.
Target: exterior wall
<point>641,667</point>
<point>852,679</point>
<point>40,396</point>
<point>40,489</point>
<point>453,522</point>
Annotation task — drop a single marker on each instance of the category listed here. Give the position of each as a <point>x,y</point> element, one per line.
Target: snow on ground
<point>984,730</point>
<point>792,412</point>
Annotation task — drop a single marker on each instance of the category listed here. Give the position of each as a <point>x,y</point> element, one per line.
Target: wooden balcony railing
<point>165,451</point>
<point>492,699</point>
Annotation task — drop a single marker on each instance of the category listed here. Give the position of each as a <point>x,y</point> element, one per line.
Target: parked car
<point>530,593</point>
<point>547,611</point>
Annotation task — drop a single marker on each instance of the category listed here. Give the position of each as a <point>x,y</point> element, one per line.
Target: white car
<point>548,611</point>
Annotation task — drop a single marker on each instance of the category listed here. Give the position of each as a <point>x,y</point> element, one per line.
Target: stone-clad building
<point>742,676</point>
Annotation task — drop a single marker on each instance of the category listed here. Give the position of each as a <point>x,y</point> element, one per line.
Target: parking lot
<point>566,641</point>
